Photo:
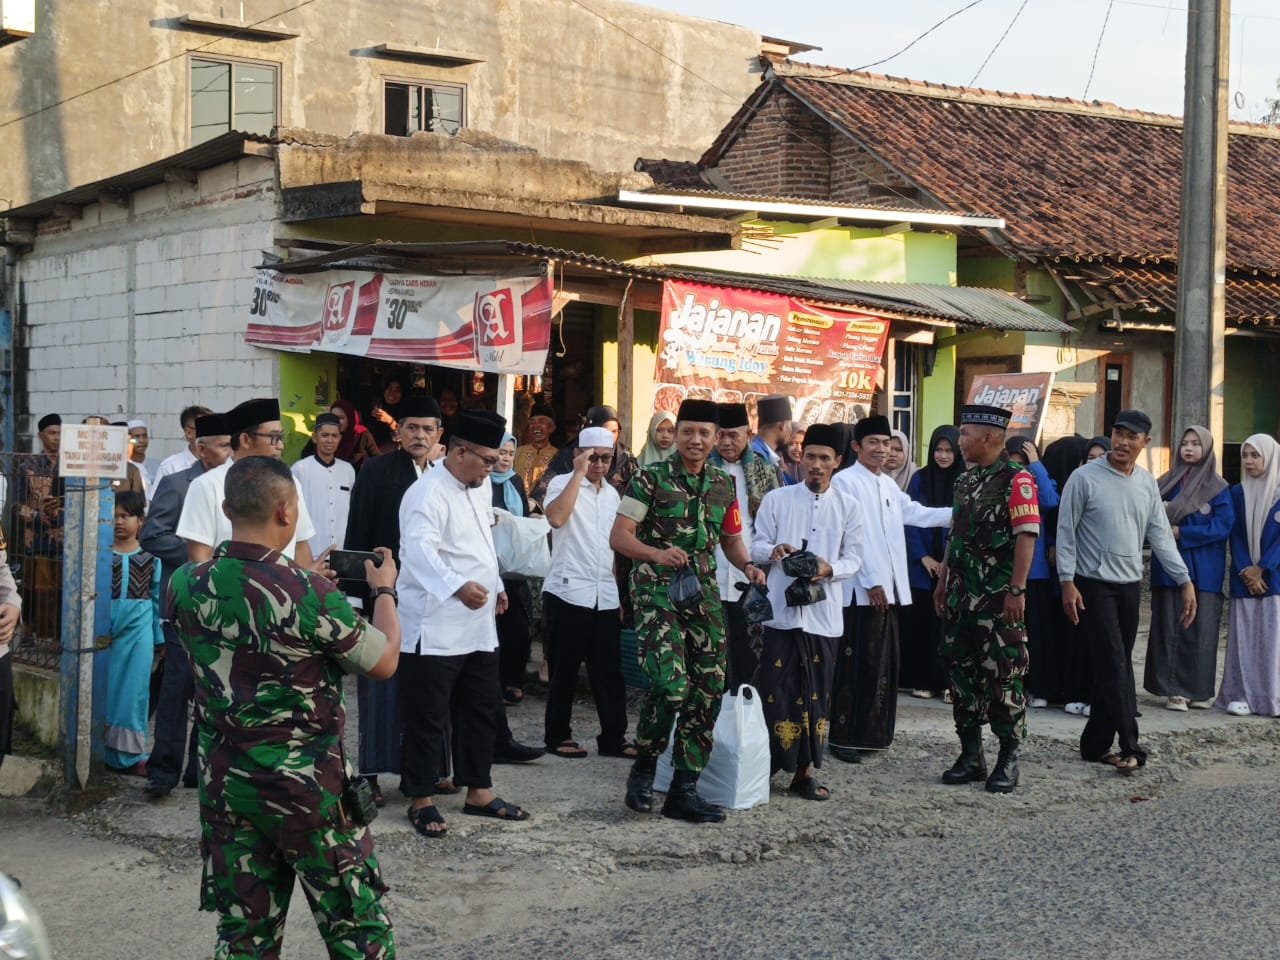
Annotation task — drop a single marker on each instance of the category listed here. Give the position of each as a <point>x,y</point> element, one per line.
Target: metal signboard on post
<point>91,456</point>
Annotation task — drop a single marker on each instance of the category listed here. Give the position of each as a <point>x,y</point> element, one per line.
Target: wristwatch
<point>1016,591</point>
<point>389,591</point>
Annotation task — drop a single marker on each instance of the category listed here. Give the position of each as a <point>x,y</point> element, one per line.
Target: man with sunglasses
<point>450,593</point>
<point>256,431</point>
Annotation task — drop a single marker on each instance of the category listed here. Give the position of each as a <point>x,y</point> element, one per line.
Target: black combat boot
<point>1005,775</point>
<point>971,765</point>
<point>683,802</point>
<point>640,784</point>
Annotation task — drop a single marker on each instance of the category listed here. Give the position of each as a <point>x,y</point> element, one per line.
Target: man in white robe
<point>185,458</point>
<point>798,659</point>
<point>326,483</point>
<point>865,699</point>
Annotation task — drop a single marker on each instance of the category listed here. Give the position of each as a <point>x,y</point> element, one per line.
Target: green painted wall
<point>308,386</point>
<point>937,398</point>
<point>1252,401</point>
<point>993,271</point>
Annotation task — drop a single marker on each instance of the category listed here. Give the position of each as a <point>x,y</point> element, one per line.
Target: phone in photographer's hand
<point>349,564</point>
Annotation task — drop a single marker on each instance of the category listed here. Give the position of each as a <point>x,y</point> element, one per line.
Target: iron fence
<point>32,511</point>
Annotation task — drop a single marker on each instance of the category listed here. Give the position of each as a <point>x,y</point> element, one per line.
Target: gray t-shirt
<point>1103,518</point>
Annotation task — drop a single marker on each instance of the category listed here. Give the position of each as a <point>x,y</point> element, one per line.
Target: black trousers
<point>1110,625</point>
<point>514,636</point>
<point>174,735</point>
<point>6,705</point>
<point>745,641</point>
<point>591,636</point>
<point>434,691</point>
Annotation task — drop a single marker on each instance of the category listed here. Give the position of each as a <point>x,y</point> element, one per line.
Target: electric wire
<point>1098,49</point>
<point>978,72</point>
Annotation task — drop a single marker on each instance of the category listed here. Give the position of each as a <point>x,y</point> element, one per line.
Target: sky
<point>1140,60</point>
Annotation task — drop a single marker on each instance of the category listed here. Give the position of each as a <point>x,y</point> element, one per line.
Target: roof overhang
<point>787,208</point>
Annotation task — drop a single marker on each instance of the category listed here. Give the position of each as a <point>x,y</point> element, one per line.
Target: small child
<point>136,638</point>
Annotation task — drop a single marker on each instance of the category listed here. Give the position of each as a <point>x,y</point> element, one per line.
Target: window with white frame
<point>410,106</point>
<point>232,95</point>
<point>905,360</point>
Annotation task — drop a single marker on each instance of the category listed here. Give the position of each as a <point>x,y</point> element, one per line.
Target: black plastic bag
<point>754,603</point>
<point>685,590</point>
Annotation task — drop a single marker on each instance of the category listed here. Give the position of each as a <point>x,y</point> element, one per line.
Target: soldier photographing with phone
<point>269,644</point>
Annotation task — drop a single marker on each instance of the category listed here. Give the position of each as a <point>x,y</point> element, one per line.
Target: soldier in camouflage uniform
<point>269,644</point>
<point>672,516</point>
<point>981,597</point>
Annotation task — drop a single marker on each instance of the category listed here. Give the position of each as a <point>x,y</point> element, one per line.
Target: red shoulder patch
<point>732,525</point>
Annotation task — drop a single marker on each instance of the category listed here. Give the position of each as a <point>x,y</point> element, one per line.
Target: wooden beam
<point>626,348</point>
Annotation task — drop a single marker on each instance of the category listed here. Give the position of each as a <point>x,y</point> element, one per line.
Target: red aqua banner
<point>736,346</point>
<point>495,324</point>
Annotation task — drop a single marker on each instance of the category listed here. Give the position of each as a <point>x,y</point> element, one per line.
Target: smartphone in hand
<point>349,564</point>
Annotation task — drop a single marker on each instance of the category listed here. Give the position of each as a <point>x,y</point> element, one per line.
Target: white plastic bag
<point>521,545</point>
<point>737,773</point>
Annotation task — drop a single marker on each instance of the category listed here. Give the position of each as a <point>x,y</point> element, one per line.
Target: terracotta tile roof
<point>1252,297</point>
<point>1069,177</point>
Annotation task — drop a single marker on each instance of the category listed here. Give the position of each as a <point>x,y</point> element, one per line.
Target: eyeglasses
<point>275,438</point>
<point>600,457</point>
<point>489,462</point>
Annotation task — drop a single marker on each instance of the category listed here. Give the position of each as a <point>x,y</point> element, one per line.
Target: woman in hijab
<point>920,668</point>
<point>1044,676</point>
<point>356,445</point>
<point>513,626</point>
<point>899,465</point>
<point>791,465</point>
<point>1251,676</point>
<point>1062,458</point>
<point>661,442</point>
<point>1098,447</point>
<point>1182,662</point>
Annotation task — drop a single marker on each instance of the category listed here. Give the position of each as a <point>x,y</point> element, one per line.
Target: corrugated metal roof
<point>221,149</point>
<point>958,306</point>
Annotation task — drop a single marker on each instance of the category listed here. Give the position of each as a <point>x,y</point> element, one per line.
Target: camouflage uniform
<point>683,654</point>
<point>269,644</point>
<point>987,657</point>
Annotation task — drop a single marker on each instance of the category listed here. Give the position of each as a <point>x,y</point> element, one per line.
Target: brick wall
<point>138,310</point>
<point>786,150</point>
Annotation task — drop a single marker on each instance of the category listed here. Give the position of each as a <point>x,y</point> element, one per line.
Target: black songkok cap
<point>982,416</point>
<point>824,435</point>
<point>49,420</point>
<point>774,409</point>
<point>251,413</point>
<point>329,420</point>
<point>698,411</point>
<point>212,425</point>
<point>542,410</point>
<point>481,428</point>
<point>876,426</point>
<point>599,416</point>
<point>732,415</point>
<point>420,405</point>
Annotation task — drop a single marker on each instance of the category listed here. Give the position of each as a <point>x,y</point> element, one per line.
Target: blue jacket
<point>1240,548</point>
<point>921,541</point>
<point>1047,495</point>
<point>1202,541</point>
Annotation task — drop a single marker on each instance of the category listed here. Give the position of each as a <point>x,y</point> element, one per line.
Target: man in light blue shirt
<point>1108,508</point>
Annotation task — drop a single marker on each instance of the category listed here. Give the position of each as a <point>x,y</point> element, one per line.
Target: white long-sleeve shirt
<point>446,540</point>
<point>887,511</point>
<point>203,521</point>
<point>327,488</point>
<point>832,523</point>
<point>175,463</point>
<point>581,571</point>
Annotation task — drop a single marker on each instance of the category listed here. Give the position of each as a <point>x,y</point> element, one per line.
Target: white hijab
<point>1261,493</point>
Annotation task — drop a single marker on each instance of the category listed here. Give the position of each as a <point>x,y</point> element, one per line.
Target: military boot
<point>971,765</point>
<point>1005,775</point>
<point>640,784</point>
<point>683,802</point>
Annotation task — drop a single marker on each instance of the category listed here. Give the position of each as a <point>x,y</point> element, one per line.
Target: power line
<point>1098,49</point>
<point>894,56</point>
<point>151,66</point>
<point>998,42</point>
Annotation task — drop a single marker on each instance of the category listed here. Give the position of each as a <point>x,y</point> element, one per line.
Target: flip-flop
<point>1123,765</point>
<point>426,815</point>
<point>628,751</point>
<point>497,808</point>
<point>513,696</point>
<point>569,749</point>
<point>810,789</point>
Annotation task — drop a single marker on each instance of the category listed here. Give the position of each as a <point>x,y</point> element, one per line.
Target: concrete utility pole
<point>1199,349</point>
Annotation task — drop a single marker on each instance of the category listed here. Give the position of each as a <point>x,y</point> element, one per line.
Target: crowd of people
<point>992,576</point>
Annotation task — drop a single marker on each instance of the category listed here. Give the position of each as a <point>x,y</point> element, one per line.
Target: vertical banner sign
<point>1026,394</point>
<point>495,324</point>
<point>736,346</point>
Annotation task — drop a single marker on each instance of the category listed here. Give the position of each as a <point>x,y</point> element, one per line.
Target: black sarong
<point>794,680</point>
<point>864,705</point>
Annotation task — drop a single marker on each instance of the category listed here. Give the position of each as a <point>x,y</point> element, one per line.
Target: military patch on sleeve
<point>732,525</point>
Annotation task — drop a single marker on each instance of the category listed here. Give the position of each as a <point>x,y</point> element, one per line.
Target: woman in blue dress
<point>1182,662</point>
<point>135,638</point>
